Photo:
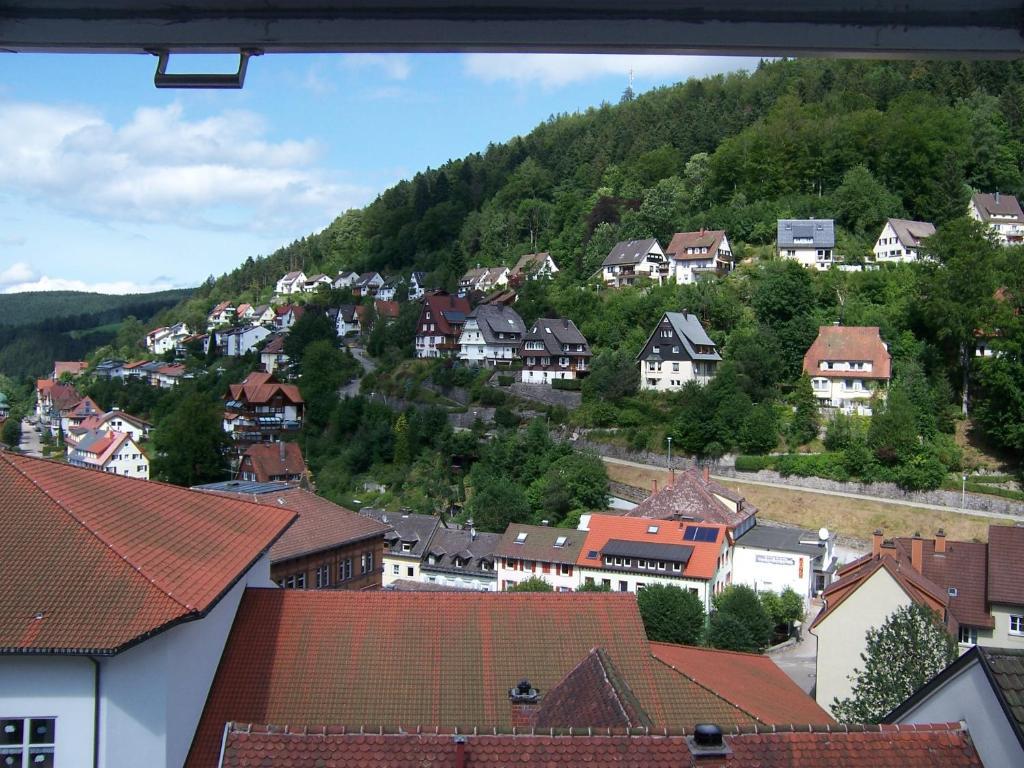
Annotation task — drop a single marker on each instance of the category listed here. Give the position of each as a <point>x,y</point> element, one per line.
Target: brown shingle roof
<point>945,745</point>
<point>1006,205</point>
<point>274,460</point>
<point>439,305</point>
<point>849,343</point>
<point>92,562</point>
<point>261,387</point>
<point>962,566</point>
<point>539,544</point>
<point>692,497</point>
<point>1006,564</point>
<point>911,233</point>
<point>705,238</point>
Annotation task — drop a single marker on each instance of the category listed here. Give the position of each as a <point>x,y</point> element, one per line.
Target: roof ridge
<point>709,690</point>
<point>135,568</point>
<point>744,654</point>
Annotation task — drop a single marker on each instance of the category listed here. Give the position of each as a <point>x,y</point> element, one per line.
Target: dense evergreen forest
<point>853,140</point>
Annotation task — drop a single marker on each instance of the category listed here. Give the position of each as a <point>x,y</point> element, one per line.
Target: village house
<point>272,355</point>
<point>263,314</point>
<point>1002,214</point>
<point>677,351</point>
<point>848,366</point>
<point>346,279</point>
<point>167,375</point>
<point>109,369</point>
<point>85,408</point>
<point>292,282</point>
<point>632,259</point>
<point>221,315</point>
<point>162,340</point>
<point>261,409</point>
<point>554,348</point>
<point>273,463</point>
<point>627,554</point>
<point>417,286</point>
<point>246,313</point>
<point>108,451</point>
<point>54,401</point>
<point>529,551</point>
<point>346,319</point>
<point>461,558</point>
<point>236,342</point>
<point>533,266</point>
<point>442,318</point>
<point>900,240</point>
<point>108,660</point>
<point>314,283</point>
<point>491,336</point>
<point>387,311</point>
<point>390,289</point>
<point>114,420</point>
<point>405,543</point>
<point>809,242</point>
<point>368,284</point>
<point>285,316</point>
<point>483,280</point>
<point>692,254</point>
<point>73,368</point>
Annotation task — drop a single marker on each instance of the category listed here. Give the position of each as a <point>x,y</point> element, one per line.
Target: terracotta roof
<point>848,343</point>
<point>1006,206</point>
<point>692,497</point>
<point>322,656</point>
<point>386,308</point>
<point>705,238</point>
<point>74,367</point>
<point>592,694</point>
<point>945,745</point>
<point>606,530</point>
<point>44,385</point>
<point>539,543</point>
<point>963,567</point>
<point>273,460</point>
<point>260,387</point>
<point>63,397</point>
<point>752,682</point>
<point>911,233</point>
<point>274,345</point>
<point>441,305</point>
<point>1006,564</point>
<point>321,524</point>
<point>106,561</point>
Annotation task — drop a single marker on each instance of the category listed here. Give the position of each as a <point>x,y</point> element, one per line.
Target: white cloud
<point>61,284</point>
<point>395,66</point>
<point>161,166</point>
<point>557,70</point>
<point>19,272</point>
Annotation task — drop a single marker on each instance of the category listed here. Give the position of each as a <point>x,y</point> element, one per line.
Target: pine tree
<point>804,426</point>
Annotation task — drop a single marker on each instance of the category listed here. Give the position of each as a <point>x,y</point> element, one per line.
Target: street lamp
<point>963,494</point>
<point>670,472</point>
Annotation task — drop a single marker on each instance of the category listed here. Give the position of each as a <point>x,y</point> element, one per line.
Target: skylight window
<point>592,554</point>
<point>561,541</point>
<point>652,529</point>
<point>521,538</point>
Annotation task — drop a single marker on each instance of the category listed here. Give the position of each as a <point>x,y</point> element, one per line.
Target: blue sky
<point>109,184</point>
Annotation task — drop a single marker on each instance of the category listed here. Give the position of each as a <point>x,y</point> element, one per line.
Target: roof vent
<point>523,693</point>
<point>707,741</point>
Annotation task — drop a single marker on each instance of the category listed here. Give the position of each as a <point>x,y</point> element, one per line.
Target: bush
<point>754,463</point>
<point>671,614</point>
<point>532,584</point>
<point>505,379</point>
<point>506,417</point>
<point>727,632</point>
<point>742,602</point>
<point>921,473</point>
<point>570,385</point>
<point>489,396</point>
<point>827,465</point>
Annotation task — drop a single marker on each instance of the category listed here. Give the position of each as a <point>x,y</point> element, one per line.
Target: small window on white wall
<point>27,742</point>
<point>1017,625</point>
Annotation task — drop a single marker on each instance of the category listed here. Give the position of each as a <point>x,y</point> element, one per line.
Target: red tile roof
<point>691,496</point>
<point>74,367</point>
<point>261,387</point>
<point>945,745</point>
<point>93,562</point>
<point>752,682</point>
<point>273,460</point>
<point>63,397</point>
<point>386,308</point>
<point>705,238</point>
<point>438,304</point>
<point>593,694</point>
<point>962,566</point>
<point>1006,564</point>
<point>604,528</point>
<point>847,343</point>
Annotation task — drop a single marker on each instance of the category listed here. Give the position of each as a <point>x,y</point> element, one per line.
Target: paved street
<point>29,439</point>
<point>798,661</point>
<point>351,389</point>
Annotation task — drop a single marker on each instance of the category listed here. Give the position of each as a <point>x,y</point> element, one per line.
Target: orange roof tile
<point>849,343</point>
<point>261,387</point>
<point>703,560</point>
<point>271,460</point>
<point>92,562</point>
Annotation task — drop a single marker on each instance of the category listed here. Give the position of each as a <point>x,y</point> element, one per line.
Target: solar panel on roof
<point>696,533</point>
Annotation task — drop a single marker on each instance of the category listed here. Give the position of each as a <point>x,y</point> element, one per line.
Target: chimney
<point>707,473</point>
<point>472,534</point>
<point>281,450</point>
<point>917,552</point>
<point>524,699</point>
<point>655,485</point>
<point>707,742</point>
<point>876,542</point>
<point>460,752</point>
<point>702,231</point>
<point>940,542</point>
<point>997,198</point>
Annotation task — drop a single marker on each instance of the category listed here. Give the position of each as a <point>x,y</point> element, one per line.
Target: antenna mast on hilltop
<point>627,95</point>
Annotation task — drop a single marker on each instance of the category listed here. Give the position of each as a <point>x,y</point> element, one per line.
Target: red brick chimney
<point>917,552</point>
<point>524,699</point>
<point>940,542</point>
<point>876,542</point>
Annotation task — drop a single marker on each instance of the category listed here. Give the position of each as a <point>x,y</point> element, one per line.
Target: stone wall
<point>542,393</point>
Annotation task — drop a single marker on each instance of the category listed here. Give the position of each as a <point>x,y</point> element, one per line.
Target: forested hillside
<point>853,140</point>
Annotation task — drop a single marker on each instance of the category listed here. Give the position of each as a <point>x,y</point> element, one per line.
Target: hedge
<point>573,385</point>
<point>505,379</point>
<point>754,463</point>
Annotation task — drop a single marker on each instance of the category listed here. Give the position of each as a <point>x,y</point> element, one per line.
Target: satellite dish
<point>823,534</point>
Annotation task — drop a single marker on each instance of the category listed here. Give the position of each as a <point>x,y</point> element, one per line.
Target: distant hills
<point>18,309</point>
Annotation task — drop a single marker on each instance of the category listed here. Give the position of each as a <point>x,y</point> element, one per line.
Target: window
<point>394,569</point>
<point>345,569</point>
<point>1017,625</point>
<point>952,592</point>
<point>566,570</point>
<point>623,586</point>
<point>968,635</point>
<point>406,546</point>
<point>561,541</point>
<point>323,576</point>
<point>589,580</point>
<point>655,349</point>
<point>606,583</point>
<point>521,538</point>
<point>366,563</point>
<point>27,742</point>
<point>675,367</point>
<point>409,571</point>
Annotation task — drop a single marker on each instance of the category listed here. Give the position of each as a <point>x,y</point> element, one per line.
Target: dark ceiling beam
<point>872,28</point>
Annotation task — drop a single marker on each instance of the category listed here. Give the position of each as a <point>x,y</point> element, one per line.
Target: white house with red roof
<point>222,314</point>
<point>164,339</point>
<point>118,599</point>
<point>848,366</point>
<point>692,254</point>
<point>442,319</point>
<point>108,451</point>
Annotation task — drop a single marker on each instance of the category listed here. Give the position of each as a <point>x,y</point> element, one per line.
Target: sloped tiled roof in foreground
<point>945,745</point>
<point>92,562</point>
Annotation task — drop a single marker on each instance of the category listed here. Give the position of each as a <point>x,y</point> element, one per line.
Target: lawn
<point>849,517</point>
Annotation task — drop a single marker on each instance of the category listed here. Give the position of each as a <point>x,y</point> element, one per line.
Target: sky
<point>108,184</point>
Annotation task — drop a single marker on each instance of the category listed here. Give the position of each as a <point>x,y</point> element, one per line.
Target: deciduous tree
<point>671,614</point>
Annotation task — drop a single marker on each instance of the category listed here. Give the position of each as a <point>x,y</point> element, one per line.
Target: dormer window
<point>406,546</point>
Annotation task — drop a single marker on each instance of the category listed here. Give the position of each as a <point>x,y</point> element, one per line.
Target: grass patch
<point>952,484</point>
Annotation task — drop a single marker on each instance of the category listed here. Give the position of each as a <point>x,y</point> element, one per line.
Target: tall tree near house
<point>958,290</point>
<point>189,443</point>
<point>314,325</point>
<point>324,371</point>
<point>804,426</point>
<point>908,650</point>
<point>742,602</point>
<point>671,614</point>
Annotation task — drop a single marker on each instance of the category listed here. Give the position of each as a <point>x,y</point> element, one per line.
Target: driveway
<point>29,439</point>
<point>799,661</point>
<point>369,365</point>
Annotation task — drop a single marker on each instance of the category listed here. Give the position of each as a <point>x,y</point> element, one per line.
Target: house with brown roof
<point>73,368</point>
<point>367,284</point>
<point>532,551</point>
<point>1002,213</point>
<point>483,280</point>
<point>533,266</point>
<point>632,259</point>
<point>54,401</point>
<point>692,254</point>
<point>292,282</point>
<point>222,314</point>
<point>461,558</point>
<point>261,409</point>
<point>627,554</point>
<point>272,355</point>
<point>848,366</point>
<point>273,462</point>
<point>118,598</point>
<point>900,240</point>
<point>405,543</point>
<point>554,348</point>
<point>441,320</point>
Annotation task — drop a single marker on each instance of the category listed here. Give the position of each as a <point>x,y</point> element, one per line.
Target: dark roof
<point>820,231</point>
<point>554,332</point>
<point>409,527</point>
<point>630,252</point>
<point>781,539</point>
<point>472,546</point>
<point>691,497</point>
<point>911,233</point>
<point>946,745</point>
<point>244,487</point>
<point>691,333</point>
<point>1006,564</point>
<point>1006,205</point>
<point>676,553</point>
<point>531,263</point>
<point>540,542</point>
<point>93,562</point>
<point>498,318</point>
<point>445,309</point>
<point>962,566</point>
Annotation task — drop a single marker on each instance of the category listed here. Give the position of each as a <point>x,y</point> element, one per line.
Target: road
<point>369,365</point>
<point>802,489</point>
<point>29,444</point>
<point>799,661</point>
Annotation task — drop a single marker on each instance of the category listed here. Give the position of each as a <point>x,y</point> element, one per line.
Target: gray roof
<point>495,318</point>
<point>780,539</point>
<point>630,252</point>
<point>692,334</point>
<point>911,233</point>
<point>449,543</point>
<point>675,553</point>
<point>821,232</point>
<point>408,527</point>
<point>555,332</point>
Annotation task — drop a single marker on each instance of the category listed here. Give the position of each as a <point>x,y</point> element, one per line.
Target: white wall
<point>808,257</point>
<point>969,698</point>
<point>634,578</point>
<point>61,687</point>
<point>772,570</point>
<point>474,582</point>
<point>509,576</point>
<point>390,561</point>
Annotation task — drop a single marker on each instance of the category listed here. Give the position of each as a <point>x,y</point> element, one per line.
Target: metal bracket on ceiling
<point>201,80</point>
